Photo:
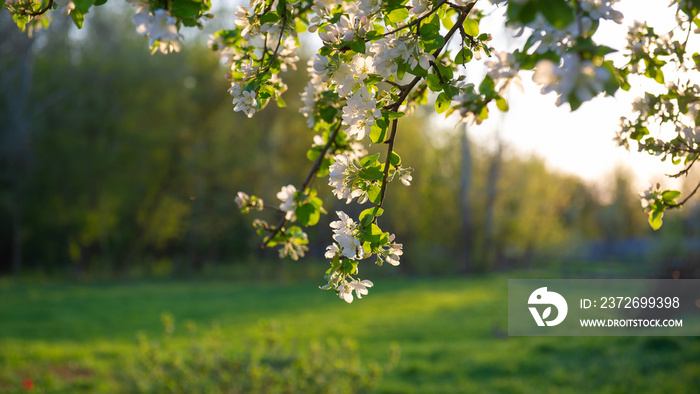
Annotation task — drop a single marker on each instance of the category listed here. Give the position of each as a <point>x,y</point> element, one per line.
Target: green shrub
<point>268,362</point>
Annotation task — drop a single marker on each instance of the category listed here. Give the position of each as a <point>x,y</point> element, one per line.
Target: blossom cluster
<point>159,26</point>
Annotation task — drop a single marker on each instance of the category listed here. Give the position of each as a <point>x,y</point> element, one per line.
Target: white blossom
<point>648,196</point>
<point>344,233</point>
<point>418,8</point>
<point>384,57</point>
<point>367,8</point>
<point>65,6</point>
<point>243,100</point>
<point>601,9</point>
<point>392,252</point>
<point>286,195</point>
<point>142,19</point>
<point>138,3</point>
<point>331,251</point>
<point>342,175</point>
<point>308,99</point>
<point>580,78</point>
<point>362,66</point>
<point>360,113</point>
<point>345,290</point>
<point>288,54</point>
<point>504,71</point>
<point>242,21</point>
<point>241,200</point>
<point>163,32</point>
<point>406,178</point>
<point>322,67</point>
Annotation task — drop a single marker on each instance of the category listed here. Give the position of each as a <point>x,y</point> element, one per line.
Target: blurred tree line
<point>113,160</point>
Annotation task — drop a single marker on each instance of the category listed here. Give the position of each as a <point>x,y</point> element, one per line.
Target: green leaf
<point>368,215</point>
<point>78,18</point>
<point>308,214</point>
<point>371,174</point>
<point>313,153</point>
<point>670,195</point>
<point>191,8</point>
<point>502,104</point>
<point>471,27</point>
<point>392,115</point>
<point>442,103</point>
<point>372,234</point>
<point>190,22</point>
<point>484,113</point>
<point>447,22</point>
<point>433,43</point>
<point>450,90</point>
<point>269,17</point>
<point>524,13</point>
<point>83,6</point>
<point>328,114</point>
<point>433,81</point>
<point>369,161</point>
<point>430,26</point>
<point>374,192</point>
<point>300,28</point>
<point>398,14</point>
<point>446,71</point>
<point>358,45</point>
<point>659,77</point>
<point>401,71</point>
<point>465,55</point>
<point>394,159</point>
<point>696,58</point>
<point>557,12</point>
<point>655,219</point>
<point>378,131</point>
<point>487,87</point>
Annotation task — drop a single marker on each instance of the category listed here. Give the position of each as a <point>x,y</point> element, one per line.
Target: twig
<point>680,204</point>
<point>415,21</point>
<point>405,91</point>
<point>685,170</point>
<point>41,11</point>
<point>387,164</point>
<point>307,181</point>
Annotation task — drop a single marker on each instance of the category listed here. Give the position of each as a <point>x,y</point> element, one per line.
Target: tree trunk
<point>494,175</point>
<point>15,87</point>
<point>465,182</point>
<point>16,233</point>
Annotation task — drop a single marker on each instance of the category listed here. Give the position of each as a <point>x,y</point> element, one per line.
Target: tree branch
<point>685,170</point>
<point>415,21</point>
<point>307,182</point>
<point>387,163</point>
<point>41,11</point>
<point>680,204</point>
<point>405,91</point>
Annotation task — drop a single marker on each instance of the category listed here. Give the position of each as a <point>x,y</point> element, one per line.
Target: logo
<point>543,297</point>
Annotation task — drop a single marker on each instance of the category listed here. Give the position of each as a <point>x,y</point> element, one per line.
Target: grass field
<point>451,334</point>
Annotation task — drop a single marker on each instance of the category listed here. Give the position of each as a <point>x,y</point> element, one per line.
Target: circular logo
<point>543,297</point>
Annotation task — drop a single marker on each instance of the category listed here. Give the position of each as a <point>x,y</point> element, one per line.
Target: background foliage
<point>105,178</point>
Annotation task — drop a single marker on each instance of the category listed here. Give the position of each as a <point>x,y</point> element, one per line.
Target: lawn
<point>451,333</point>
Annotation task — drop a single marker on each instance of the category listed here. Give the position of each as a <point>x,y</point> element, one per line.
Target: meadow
<point>435,335</point>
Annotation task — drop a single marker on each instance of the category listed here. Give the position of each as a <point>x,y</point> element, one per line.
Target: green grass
<point>451,332</point>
